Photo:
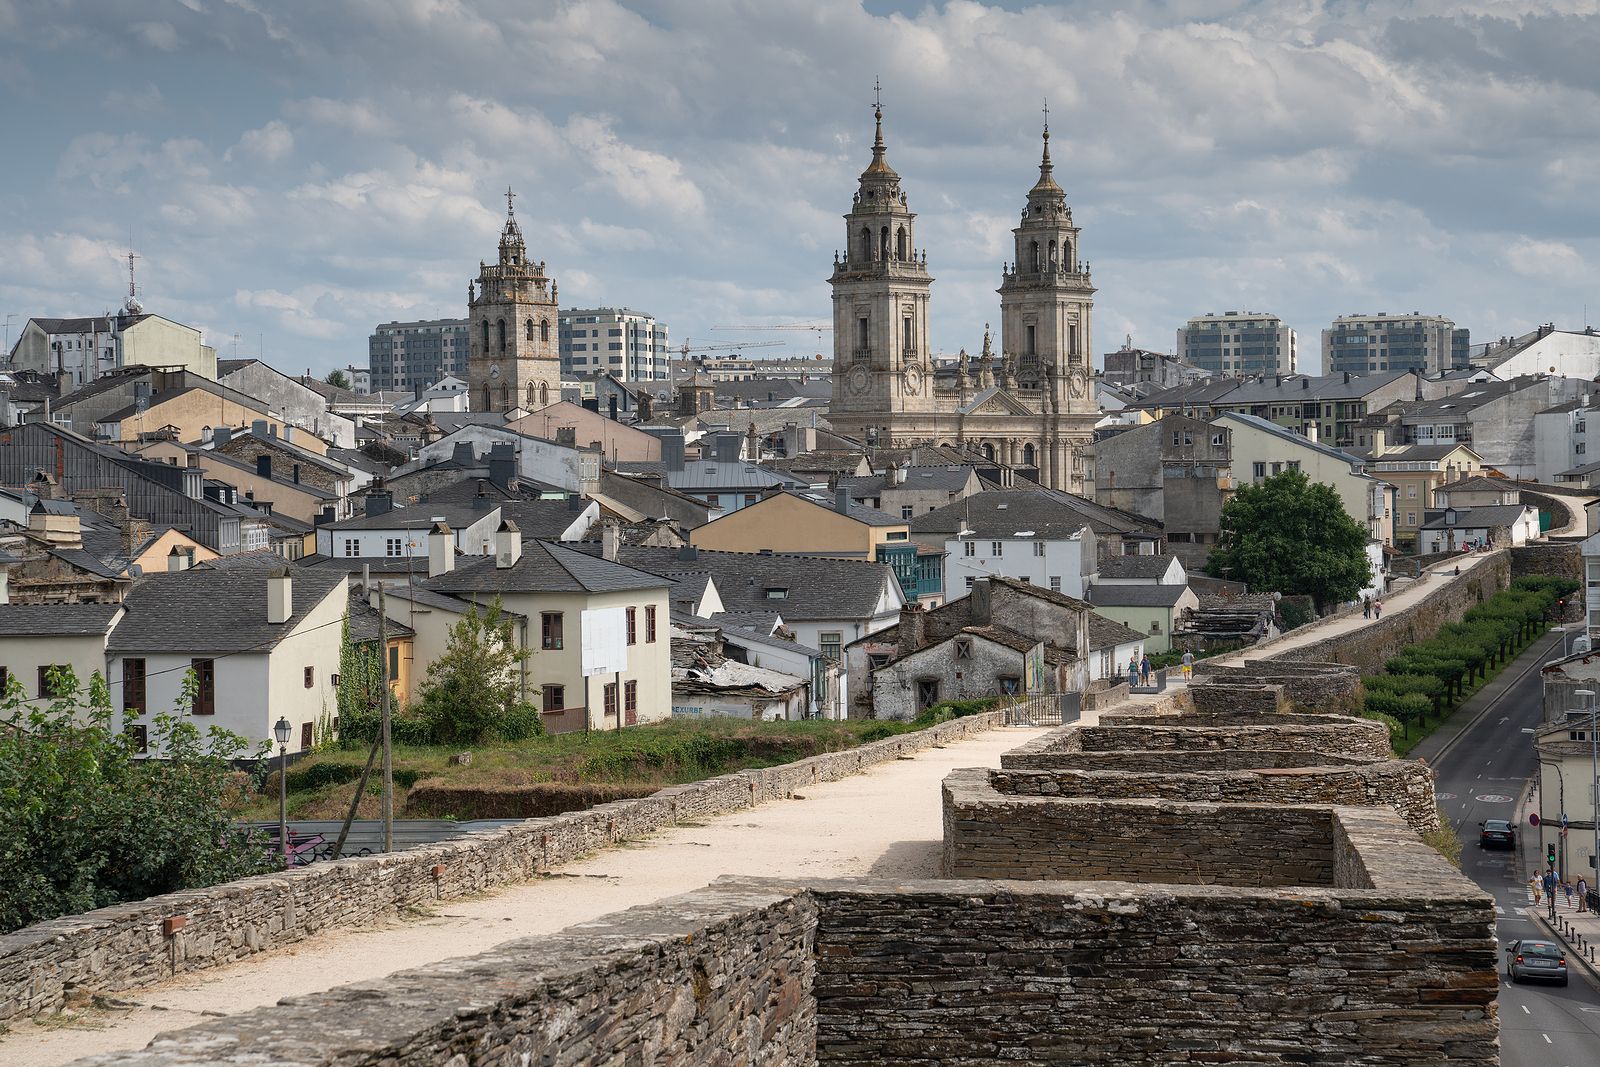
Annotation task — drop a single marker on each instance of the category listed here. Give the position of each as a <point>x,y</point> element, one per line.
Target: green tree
<point>1292,536</point>
<point>473,691</point>
<point>85,822</point>
<point>338,379</point>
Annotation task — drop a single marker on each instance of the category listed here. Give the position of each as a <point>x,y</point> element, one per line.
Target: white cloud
<point>138,102</point>
<point>642,178</point>
<point>158,35</point>
<point>268,144</point>
<point>1544,259</point>
<point>359,117</point>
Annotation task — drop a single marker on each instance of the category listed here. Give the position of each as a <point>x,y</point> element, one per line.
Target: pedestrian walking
<point>1188,665</point>
<point>1583,894</point>
<point>1533,884</point>
<point>1377,609</point>
<point>1145,669</point>
<point>1133,672</point>
<point>1566,891</point>
<point>1366,607</point>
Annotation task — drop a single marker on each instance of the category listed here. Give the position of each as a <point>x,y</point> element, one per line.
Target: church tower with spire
<point>512,313</point>
<point>1046,304</point>
<point>881,360</point>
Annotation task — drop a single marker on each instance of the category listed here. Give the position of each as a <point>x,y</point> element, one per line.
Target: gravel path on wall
<point>886,823</point>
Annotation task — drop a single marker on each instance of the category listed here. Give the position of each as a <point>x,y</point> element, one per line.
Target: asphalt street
<point>1481,776</point>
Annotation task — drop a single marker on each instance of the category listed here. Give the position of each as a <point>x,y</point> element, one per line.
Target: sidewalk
<point>1578,930</point>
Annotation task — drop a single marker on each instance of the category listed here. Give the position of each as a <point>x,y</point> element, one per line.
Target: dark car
<point>1497,833</point>
<point>1536,959</point>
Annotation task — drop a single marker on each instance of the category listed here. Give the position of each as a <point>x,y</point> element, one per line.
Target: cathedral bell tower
<point>1046,303</point>
<point>881,360</point>
<point>512,312</point>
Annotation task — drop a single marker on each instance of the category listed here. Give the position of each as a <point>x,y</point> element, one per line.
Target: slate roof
<point>1283,433</point>
<point>418,516</point>
<point>192,383</point>
<point>950,479</point>
<point>1420,453</point>
<point>546,568</point>
<point>1136,596</point>
<point>859,512</point>
<point>213,610</point>
<point>1487,517</point>
<point>56,620</point>
<point>1135,566</point>
<point>710,475</point>
<point>423,597</point>
<point>1049,513</point>
<point>818,587</point>
<point>364,622</point>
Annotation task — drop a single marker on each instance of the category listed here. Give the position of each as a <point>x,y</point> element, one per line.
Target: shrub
<point>1396,727</point>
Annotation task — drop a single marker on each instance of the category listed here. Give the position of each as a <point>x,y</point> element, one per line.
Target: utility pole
<point>383,724</point>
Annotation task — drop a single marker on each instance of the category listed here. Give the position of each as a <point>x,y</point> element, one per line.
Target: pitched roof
<point>212,610</point>
<point>1135,566</point>
<point>1487,517</point>
<point>364,622</point>
<point>814,587</point>
<point>418,516</point>
<point>1283,433</point>
<point>546,568</point>
<point>1049,513</point>
<point>56,620</point>
<point>1420,453</point>
<point>1136,596</point>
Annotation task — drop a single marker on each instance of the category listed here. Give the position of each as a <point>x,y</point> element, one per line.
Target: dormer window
<point>777,592</point>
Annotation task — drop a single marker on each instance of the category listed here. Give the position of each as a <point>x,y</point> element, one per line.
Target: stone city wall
<point>137,944</point>
<point>1406,786</point>
<point>1237,698</point>
<point>958,974</point>
<point>988,834</point>
<point>1180,761</point>
<point>1370,646</point>
<point>721,976</point>
<point>1216,718</point>
<point>1352,738</point>
<point>1316,688</point>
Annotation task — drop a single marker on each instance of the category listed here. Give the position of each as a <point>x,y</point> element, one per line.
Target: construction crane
<point>685,348</point>
<point>816,327</point>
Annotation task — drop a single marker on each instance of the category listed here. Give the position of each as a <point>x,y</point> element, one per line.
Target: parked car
<point>1536,959</point>
<point>1496,833</point>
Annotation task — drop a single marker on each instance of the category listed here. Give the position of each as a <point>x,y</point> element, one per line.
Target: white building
<point>261,642</point>
<point>1499,525</point>
<point>1561,438</point>
<point>1567,786</point>
<point>630,345</point>
<point>35,639</point>
<point>1238,343</point>
<point>1546,350</point>
<point>84,349</point>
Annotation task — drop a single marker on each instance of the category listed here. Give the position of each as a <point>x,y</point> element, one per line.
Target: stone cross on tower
<point>510,196</point>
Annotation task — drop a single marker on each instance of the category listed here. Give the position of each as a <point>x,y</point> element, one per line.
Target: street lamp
<point>281,730</point>
<point>1588,696</point>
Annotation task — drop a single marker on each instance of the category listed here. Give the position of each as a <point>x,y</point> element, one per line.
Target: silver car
<point>1536,959</point>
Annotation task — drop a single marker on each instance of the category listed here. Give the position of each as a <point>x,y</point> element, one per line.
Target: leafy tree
<point>1292,536</point>
<point>86,823</point>
<point>338,379</point>
<point>473,691</point>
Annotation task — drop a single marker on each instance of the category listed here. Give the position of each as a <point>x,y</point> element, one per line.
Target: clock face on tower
<point>857,379</point>
<point>494,370</point>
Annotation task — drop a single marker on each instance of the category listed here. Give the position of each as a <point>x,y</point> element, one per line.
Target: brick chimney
<point>913,629</point>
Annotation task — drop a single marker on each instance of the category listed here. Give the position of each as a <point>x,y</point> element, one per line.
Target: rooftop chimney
<point>259,428</point>
<point>978,602</point>
<point>507,545</point>
<point>462,454</point>
<point>688,553</point>
<point>379,501</point>
<point>280,596</point>
<point>481,502</point>
<point>441,550</point>
<point>610,540</point>
<point>54,529</point>
<point>264,465</point>
<point>841,499</point>
<point>221,436</point>
<point>177,560</point>
<point>913,629</point>
<point>502,464</point>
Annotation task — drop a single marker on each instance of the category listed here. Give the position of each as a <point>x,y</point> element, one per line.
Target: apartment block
<point>1362,344</point>
<point>630,345</point>
<point>1238,343</point>
<point>402,355</point>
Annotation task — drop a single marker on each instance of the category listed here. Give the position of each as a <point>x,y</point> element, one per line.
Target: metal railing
<point>1042,709</point>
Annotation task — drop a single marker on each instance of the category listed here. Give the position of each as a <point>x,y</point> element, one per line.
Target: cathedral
<point>1031,405</point>
<point>512,315</point>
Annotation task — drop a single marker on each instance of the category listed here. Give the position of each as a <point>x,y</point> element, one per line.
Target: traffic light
<point>1550,853</point>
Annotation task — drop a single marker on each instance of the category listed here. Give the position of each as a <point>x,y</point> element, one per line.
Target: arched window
<point>485,336</point>
<point>544,394</point>
<point>529,330</point>
<point>533,395</point>
<point>484,405</point>
<point>502,335</point>
<point>988,452</point>
<point>883,243</point>
<point>865,251</point>
<point>544,329</point>
<point>1035,247</point>
<point>900,243</point>
<point>505,396</point>
<point>1052,255</point>
<point>1027,455</point>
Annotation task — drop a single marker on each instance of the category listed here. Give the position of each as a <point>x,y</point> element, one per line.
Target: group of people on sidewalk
<point>1547,885</point>
<point>1371,608</point>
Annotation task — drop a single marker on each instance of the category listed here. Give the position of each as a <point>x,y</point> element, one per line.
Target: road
<point>1481,776</point>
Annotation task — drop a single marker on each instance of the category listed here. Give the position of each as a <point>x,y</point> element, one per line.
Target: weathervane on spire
<point>1047,116</point>
<point>509,197</point>
<point>877,97</point>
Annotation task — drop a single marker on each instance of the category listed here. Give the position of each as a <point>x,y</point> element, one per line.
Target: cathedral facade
<point>1032,403</point>
<point>512,314</point>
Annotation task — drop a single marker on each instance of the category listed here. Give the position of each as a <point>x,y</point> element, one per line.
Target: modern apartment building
<point>1238,343</point>
<point>1362,344</point>
<point>402,355</point>
<point>628,344</point>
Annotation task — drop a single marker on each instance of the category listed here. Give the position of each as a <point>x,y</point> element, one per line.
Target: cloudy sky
<point>295,171</point>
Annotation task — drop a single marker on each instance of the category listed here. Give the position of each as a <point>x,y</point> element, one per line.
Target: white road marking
<point>1503,720</point>
<point>1525,1010</point>
<point>1547,1039</point>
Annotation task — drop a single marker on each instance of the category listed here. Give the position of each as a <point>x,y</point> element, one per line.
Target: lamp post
<point>1588,696</point>
<point>281,730</point>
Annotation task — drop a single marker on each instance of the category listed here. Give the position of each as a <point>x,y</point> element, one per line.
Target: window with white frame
<point>997,548</point>
<point>352,546</point>
<point>394,546</point>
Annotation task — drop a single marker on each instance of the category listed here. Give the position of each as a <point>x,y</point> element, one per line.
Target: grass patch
<point>671,752</point>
